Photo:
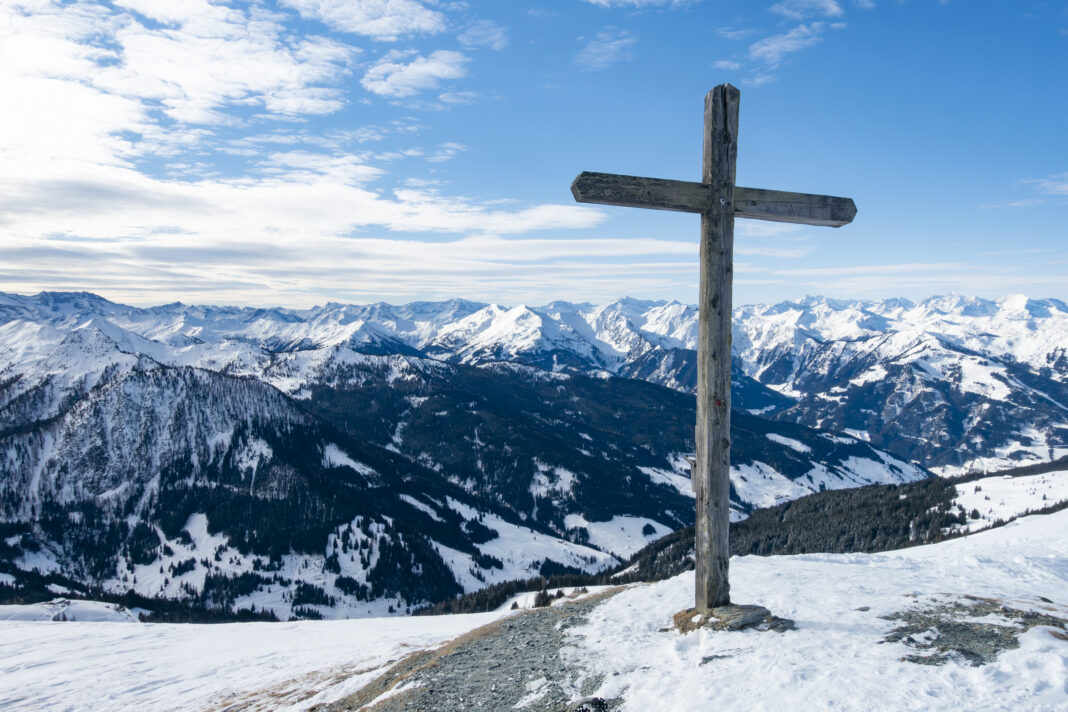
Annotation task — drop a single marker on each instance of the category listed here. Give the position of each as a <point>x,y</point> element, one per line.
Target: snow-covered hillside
<point>955,383</point>
<point>267,667</point>
<point>993,499</point>
<point>842,605</point>
<point>236,458</point>
<point>843,655</point>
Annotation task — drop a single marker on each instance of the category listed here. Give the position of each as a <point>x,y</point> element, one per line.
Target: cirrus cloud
<point>771,50</point>
<point>393,76</point>
<point>609,47</point>
<point>386,20</point>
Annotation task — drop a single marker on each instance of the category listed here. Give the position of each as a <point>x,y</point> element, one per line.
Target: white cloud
<point>458,97</point>
<point>381,19</point>
<point>732,33</point>
<point>446,152</point>
<point>800,9</point>
<point>629,3</point>
<point>759,79</point>
<point>607,48</point>
<point>297,193</point>
<point>772,49</point>
<point>393,76</point>
<point>639,3</point>
<point>726,65</point>
<point>1056,184</point>
<point>204,64</point>
<point>778,252</point>
<point>1023,203</point>
<point>967,279</point>
<point>485,33</point>
<point>885,269</point>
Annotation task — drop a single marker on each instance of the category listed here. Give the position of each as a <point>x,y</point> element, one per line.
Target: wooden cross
<point>718,201</point>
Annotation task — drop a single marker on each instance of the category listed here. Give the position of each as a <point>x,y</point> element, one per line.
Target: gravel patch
<point>513,663</point>
<point>955,630</point>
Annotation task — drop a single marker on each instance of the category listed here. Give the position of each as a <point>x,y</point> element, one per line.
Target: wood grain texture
<point>634,192</point>
<point>690,197</point>
<point>714,351</point>
<point>718,201</point>
<point>802,208</point>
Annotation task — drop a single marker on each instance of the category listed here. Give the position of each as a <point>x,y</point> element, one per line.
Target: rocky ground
<point>514,662</point>
<point>972,630</point>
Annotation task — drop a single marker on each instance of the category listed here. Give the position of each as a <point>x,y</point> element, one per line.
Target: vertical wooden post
<point>714,198</point>
<point>714,350</point>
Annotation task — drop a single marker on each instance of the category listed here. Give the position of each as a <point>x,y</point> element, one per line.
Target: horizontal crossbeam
<point>689,197</point>
<point>633,192</point>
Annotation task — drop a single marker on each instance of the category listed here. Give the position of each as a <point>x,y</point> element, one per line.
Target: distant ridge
<point>956,383</point>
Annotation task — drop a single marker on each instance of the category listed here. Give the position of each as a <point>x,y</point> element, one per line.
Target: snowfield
<point>835,660</point>
<point>266,666</point>
<point>1003,498</point>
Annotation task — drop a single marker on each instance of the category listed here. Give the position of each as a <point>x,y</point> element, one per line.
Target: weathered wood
<point>634,192</point>
<point>718,201</point>
<point>803,208</point>
<point>689,197</point>
<point>714,351</point>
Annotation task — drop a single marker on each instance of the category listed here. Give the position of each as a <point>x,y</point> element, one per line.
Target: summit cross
<point>718,201</point>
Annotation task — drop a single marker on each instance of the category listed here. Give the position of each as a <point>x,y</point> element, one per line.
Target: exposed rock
<point>513,662</point>
<point>731,617</point>
<point>943,631</point>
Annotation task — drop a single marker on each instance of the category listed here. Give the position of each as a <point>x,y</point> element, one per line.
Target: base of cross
<point>731,617</point>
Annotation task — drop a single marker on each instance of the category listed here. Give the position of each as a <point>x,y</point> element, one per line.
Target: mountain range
<point>346,460</point>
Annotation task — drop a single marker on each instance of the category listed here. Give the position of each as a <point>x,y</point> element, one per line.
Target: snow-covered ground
<point>526,599</point>
<point>834,660</point>
<point>1003,498</point>
<point>269,666</point>
<point>62,609</point>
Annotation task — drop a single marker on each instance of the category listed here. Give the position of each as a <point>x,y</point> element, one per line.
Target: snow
<point>971,346</point>
<point>1006,497</point>
<point>520,550</point>
<point>551,480</point>
<point>834,660</point>
<point>1031,332</point>
<point>681,482</point>
<point>62,609</point>
<point>526,599</point>
<point>983,379</point>
<point>262,666</point>
<point>333,456</point>
<point>621,535</point>
<point>762,485</point>
<point>870,376</point>
<point>795,445</point>
<point>255,452</point>
<point>425,508</point>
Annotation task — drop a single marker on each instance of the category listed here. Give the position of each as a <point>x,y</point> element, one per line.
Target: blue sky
<point>303,151</point>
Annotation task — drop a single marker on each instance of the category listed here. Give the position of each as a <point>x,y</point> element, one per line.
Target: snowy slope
<point>1002,498</point>
<point>115,450</point>
<point>835,660</point>
<point>98,402</point>
<point>262,666</point>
